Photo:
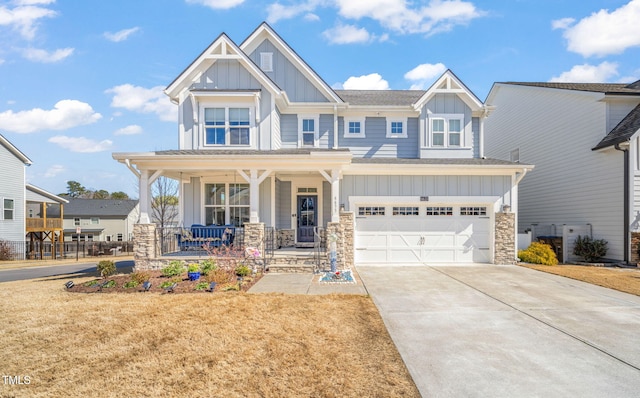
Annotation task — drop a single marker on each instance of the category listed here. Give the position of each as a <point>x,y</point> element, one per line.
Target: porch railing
<point>319,248</point>
<point>179,241</point>
<point>269,245</point>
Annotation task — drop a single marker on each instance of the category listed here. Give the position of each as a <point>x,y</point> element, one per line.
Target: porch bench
<point>199,235</point>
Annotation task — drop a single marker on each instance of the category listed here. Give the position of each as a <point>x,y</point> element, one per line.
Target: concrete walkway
<point>508,331</point>
<point>304,283</point>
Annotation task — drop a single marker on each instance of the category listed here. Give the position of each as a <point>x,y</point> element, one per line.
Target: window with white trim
<point>405,210</point>
<point>371,211</point>
<point>473,211</point>
<point>95,220</point>
<point>266,62</point>
<point>119,237</point>
<point>446,130</point>
<point>226,203</point>
<point>8,209</point>
<point>397,128</point>
<point>76,221</point>
<point>308,130</point>
<point>354,127</point>
<point>439,211</point>
<point>227,126</point>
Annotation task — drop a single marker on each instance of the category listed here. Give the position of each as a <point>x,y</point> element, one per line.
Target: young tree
<point>164,201</point>
<point>75,189</point>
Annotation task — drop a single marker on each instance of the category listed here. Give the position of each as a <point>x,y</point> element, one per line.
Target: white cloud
<point>120,35</point>
<point>588,73</point>
<point>81,144</point>
<point>54,170</point>
<point>217,4</point>
<point>24,18</point>
<point>372,81</point>
<point>347,34</point>
<point>311,17</point>
<point>44,56</point>
<point>603,33</point>
<point>129,130</point>
<point>144,100</point>
<point>66,114</point>
<point>424,74</point>
<point>32,2</point>
<point>277,11</point>
<point>563,23</point>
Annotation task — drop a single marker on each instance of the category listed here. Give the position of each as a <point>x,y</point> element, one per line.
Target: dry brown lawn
<point>210,345</point>
<point>623,279</point>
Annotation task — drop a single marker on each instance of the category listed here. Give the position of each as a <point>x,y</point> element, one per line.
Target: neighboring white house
<point>264,140</point>
<point>12,191</point>
<point>583,139</point>
<point>105,220</point>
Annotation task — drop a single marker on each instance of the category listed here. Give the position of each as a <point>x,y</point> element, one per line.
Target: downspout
<point>626,205</point>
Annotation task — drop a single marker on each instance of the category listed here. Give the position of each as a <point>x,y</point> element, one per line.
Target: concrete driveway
<point>508,331</point>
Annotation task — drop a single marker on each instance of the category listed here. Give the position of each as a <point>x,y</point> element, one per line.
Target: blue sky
<point>82,79</point>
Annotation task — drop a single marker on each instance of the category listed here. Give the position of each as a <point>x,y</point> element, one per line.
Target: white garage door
<point>422,234</point>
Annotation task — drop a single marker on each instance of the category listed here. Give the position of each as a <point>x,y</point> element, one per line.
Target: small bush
<point>590,249</point>
<point>91,283</point>
<point>202,286</point>
<point>140,276</point>
<point>166,284</point>
<point>243,270</point>
<point>106,268</point>
<point>5,251</point>
<point>219,276</point>
<point>175,268</point>
<point>131,284</point>
<point>109,284</point>
<point>207,266</point>
<point>194,267</point>
<point>538,253</point>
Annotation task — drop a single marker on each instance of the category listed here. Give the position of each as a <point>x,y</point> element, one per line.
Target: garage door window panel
<point>405,211</point>
<point>473,211</point>
<point>439,211</point>
<point>371,211</point>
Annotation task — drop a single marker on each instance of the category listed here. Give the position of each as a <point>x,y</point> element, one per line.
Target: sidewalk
<point>303,283</point>
<point>4,265</point>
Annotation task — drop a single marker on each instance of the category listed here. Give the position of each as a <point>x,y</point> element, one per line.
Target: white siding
<point>12,175</point>
<point>571,184</point>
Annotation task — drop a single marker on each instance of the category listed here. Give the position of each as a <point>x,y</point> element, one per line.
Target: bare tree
<point>164,201</point>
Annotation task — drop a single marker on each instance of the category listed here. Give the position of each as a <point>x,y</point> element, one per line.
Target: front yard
<point>229,344</point>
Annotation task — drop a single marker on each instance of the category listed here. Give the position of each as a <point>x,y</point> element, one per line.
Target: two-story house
<point>584,140</point>
<point>264,140</point>
<point>105,220</point>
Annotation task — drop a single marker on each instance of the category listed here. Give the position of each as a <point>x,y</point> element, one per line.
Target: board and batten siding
<point>450,104</point>
<point>376,144</point>
<point>554,130</point>
<point>12,175</point>
<point>401,185</point>
<point>283,204</point>
<point>287,76</point>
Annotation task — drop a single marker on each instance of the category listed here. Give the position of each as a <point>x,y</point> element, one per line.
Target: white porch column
<point>145,198</point>
<point>334,179</point>
<point>254,179</point>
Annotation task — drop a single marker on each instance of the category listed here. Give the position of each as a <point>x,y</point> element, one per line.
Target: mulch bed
<point>184,285</point>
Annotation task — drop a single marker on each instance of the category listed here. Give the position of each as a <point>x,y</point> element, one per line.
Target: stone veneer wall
<point>254,235</point>
<point>145,249</point>
<point>505,239</point>
<point>635,245</point>
<point>285,238</point>
<point>345,240</point>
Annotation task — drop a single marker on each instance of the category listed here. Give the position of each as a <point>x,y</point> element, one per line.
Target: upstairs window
<point>227,126</point>
<point>353,128</point>
<point>308,131</point>
<point>397,128</point>
<point>446,130</point>
<point>76,221</point>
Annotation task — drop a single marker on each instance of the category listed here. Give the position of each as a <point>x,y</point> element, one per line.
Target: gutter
<point>626,205</point>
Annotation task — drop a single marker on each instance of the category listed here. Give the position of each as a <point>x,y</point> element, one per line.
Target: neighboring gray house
<point>12,191</point>
<point>264,141</point>
<point>107,220</point>
<point>583,139</point>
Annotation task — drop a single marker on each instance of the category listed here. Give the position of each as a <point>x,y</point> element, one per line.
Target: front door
<point>307,217</point>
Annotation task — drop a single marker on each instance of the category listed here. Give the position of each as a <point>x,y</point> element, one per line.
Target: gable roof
<point>264,30</point>
<point>606,88</point>
<point>380,97</point>
<point>15,151</point>
<point>449,83</point>
<point>40,194</point>
<point>623,131</point>
<point>99,207</point>
<point>221,48</point>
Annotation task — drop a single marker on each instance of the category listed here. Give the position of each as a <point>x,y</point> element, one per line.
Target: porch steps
<point>293,261</point>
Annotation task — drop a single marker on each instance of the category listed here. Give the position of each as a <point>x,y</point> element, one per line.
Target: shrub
<point>194,267</point>
<point>207,266</point>
<point>140,276</point>
<point>175,268</point>
<point>202,286</point>
<point>219,276</point>
<point>109,284</point>
<point>130,284</point>
<point>243,270</point>
<point>538,253</point>
<point>106,268</point>
<point>590,249</point>
<point>5,251</point>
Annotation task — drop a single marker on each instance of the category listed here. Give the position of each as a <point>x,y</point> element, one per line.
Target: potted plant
<point>193,271</point>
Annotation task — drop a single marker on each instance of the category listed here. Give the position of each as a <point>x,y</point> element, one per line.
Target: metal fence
<point>27,250</point>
